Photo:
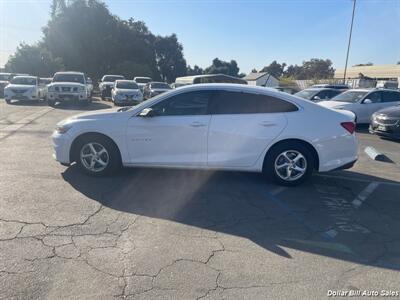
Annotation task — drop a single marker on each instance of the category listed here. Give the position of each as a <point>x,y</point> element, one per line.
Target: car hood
<point>159,90</point>
<point>71,84</point>
<point>393,111</point>
<point>20,86</point>
<point>333,104</point>
<point>128,91</point>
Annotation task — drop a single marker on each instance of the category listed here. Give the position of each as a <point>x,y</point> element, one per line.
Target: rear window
<point>142,80</point>
<point>227,102</point>
<point>159,85</point>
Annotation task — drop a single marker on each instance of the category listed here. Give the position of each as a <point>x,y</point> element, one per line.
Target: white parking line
<point>356,179</point>
<point>365,193</point>
<point>6,131</point>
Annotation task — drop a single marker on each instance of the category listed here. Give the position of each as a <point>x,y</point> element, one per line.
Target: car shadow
<point>28,103</point>
<point>234,203</point>
<point>94,105</point>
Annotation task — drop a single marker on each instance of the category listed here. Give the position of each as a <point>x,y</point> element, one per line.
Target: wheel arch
<point>291,141</point>
<point>75,143</point>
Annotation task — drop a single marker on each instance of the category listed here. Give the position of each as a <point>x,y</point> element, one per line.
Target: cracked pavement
<point>176,234</point>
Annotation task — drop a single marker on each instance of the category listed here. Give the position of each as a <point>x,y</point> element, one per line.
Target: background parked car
<point>106,84</point>
<point>43,83</point>
<point>285,89</point>
<point>221,126</point>
<point>364,102</point>
<point>318,94</point>
<point>142,81</point>
<point>331,86</point>
<point>386,122</point>
<point>154,88</point>
<point>126,92</point>
<point>23,88</point>
<point>68,87</point>
<point>4,80</point>
<point>89,84</point>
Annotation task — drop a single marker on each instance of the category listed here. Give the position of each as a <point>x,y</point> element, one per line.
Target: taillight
<point>349,126</point>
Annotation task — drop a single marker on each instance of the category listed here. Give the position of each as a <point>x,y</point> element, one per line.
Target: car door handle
<point>197,124</point>
<point>267,124</point>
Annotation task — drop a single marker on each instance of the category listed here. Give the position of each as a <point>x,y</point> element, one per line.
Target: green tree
<point>314,68</point>
<point>196,70</point>
<point>33,59</point>
<point>169,57</point>
<point>223,67</point>
<point>275,69</point>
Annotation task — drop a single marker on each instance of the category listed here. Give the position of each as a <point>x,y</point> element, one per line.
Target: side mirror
<point>316,98</point>
<point>147,113</point>
<point>367,101</point>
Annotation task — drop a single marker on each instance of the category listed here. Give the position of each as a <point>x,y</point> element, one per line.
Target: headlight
<point>63,128</point>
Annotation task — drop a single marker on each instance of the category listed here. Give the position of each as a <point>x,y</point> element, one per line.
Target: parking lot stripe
<point>357,179</point>
<point>10,129</point>
<point>365,193</point>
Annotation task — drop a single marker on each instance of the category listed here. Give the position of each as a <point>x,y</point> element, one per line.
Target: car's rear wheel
<point>289,164</point>
<point>97,155</point>
<point>8,101</point>
<point>51,102</point>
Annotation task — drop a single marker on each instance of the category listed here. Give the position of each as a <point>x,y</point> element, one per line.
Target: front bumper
<point>127,100</point>
<point>61,145</point>
<point>66,97</point>
<point>20,97</point>
<point>389,131</point>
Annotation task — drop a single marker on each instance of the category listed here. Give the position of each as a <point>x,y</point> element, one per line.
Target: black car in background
<point>318,94</point>
<point>386,122</point>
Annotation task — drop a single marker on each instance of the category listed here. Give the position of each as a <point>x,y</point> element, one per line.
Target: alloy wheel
<point>94,157</point>
<point>290,165</point>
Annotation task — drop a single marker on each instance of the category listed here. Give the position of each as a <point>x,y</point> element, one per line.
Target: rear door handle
<point>267,124</point>
<point>197,124</point>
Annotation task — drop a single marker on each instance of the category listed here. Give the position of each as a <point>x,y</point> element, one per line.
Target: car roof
<point>114,75</point>
<point>124,80</point>
<point>158,82</point>
<point>317,89</point>
<point>70,72</point>
<point>25,76</point>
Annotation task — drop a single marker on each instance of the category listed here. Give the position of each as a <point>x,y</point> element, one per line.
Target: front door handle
<point>197,124</point>
<point>267,124</point>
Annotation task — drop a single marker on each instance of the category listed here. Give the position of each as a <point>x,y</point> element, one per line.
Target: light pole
<point>348,45</point>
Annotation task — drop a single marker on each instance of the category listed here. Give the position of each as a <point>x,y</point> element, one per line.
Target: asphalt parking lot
<point>174,234</point>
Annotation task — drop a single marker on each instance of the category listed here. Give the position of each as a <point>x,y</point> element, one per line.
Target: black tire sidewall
<point>269,165</point>
<point>114,157</point>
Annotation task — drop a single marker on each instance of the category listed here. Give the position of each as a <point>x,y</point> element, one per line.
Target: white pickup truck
<point>68,87</point>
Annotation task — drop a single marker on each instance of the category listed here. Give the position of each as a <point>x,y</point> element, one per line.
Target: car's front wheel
<point>289,164</point>
<point>97,155</point>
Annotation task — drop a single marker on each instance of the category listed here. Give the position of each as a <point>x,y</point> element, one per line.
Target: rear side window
<point>375,97</point>
<point>185,104</point>
<point>390,96</point>
<point>228,102</point>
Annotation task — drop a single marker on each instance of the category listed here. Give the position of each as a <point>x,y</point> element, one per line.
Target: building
<point>261,79</point>
<point>378,72</point>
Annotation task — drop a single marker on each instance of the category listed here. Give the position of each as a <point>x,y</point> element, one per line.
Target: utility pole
<point>348,45</point>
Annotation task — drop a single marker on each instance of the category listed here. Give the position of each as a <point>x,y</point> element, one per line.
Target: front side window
<point>228,102</point>
<point>375,97</point>
<point>306,94</point>
<point>191,103</point>
<point>350,96</point>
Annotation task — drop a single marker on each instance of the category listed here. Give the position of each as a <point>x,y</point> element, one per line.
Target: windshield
<point>143,80</point>
<point>4,77</point>
<point>24,80</point>
<point>160,85</point>
<point>127,85</point>
<point>109,78</point>
<point>350,96</point>
<point>307,94</point>
<point>69,78</point>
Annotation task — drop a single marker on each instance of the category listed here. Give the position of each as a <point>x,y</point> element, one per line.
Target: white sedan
<point>212,126</point>
<point>23,88</point>
<point>364,102</point>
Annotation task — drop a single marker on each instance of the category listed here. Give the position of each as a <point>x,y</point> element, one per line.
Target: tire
<point>51,103</point>
<point>8,101</point>
<point>84,156</point>
<point>284,155</point>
